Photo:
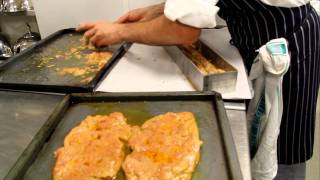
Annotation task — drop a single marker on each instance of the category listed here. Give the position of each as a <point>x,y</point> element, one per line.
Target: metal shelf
<point>18,13</point>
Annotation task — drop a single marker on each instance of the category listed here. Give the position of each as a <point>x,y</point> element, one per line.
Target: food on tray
<point>93,150</point>
<point>201,62</point>
<point>77,59</point>
<point>98,58</point>
<point>165,147</point>
<point>94,61</point>
<point>75,71</point>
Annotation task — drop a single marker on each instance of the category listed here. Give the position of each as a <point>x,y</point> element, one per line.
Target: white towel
<point>266,108</point>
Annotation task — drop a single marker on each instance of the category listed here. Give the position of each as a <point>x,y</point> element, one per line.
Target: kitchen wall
<point>141,3</point>
<point>53,15</point>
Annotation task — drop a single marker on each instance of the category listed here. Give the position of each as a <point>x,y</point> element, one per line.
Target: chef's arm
<point>159,31</point>
<point>142,14</point>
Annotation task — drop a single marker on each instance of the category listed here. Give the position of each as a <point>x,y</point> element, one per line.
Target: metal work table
<point>150,69</point>
<point>237,120</point>
<point>21,117</point>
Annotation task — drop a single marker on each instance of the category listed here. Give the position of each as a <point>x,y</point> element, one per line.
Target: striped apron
<point>252,24</point>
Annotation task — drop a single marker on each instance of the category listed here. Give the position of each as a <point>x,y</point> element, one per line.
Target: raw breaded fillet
<point>167,147</point>
<point>93,150</point>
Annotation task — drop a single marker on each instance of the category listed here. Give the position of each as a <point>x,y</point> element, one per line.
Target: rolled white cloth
<point>267,74</point>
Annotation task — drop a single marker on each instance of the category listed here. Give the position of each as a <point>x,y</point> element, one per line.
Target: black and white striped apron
<point>252,24</point>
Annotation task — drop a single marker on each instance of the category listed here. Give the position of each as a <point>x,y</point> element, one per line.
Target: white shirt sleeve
<point>195,13</point>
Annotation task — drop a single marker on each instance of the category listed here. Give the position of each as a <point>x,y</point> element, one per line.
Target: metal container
<point>218,159</point>
<point>16,5</point>
<point>28,71</point>
<point>26,5</point>
<point>5,49</point>
<point>26,41</point>
<point>1,5</point>
<point>11,5</point>
<point>220,82</point>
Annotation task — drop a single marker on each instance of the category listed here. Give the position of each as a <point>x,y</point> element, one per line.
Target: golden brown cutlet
<point>93,150</point>
<point>166,147</point>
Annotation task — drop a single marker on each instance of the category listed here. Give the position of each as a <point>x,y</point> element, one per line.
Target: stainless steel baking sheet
<point>218,155</point>
<point>21,117</point>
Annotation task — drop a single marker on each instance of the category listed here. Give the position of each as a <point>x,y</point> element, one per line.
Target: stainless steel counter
<point>21,117</point>
<point>238,123</point>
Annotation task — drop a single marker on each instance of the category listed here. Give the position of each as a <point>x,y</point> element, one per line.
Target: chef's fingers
<point>93,40</point>
<point>103,43</point>
<point>87,35</point>
<point>99,43</point>
<point>85,26</point>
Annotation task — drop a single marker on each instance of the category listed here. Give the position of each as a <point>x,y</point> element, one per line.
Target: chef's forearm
<point>159,31</point>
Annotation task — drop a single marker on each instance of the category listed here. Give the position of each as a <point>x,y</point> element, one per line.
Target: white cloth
<point>267,74</point>
<point>316,5</point>
<point>202,13</point>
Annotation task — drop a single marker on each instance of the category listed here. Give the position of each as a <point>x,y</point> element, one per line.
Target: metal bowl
<point>26,5</point>
<point>27,40</point>
<point>5,49</point>
<point>16,5</point>
<point>11,5</point>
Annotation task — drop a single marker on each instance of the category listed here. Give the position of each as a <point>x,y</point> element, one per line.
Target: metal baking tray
<point>39,67</point>
<point>219,82</point>
<point>22,115</point>
<point>218,154</point>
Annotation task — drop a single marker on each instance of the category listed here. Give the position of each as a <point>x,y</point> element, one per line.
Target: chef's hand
<point>101,33</point>
<point>142,14</point>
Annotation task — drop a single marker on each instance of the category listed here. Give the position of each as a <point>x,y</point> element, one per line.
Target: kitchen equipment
<point>220,82</point>
<point>26,5</point>
<point>5,49</point>
<point>218,159</point>
<point>21,117</point>
<point>27,40</point>
<point>11,5</point>
<point>1,5</point>
<point>16,5</point>
<point>40,67</point>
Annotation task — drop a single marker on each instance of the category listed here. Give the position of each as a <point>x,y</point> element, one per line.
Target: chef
<point>252,23</point>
